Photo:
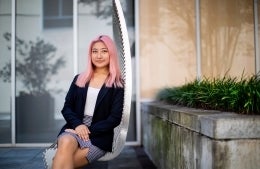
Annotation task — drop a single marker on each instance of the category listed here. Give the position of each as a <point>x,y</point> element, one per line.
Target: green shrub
<point>226,94</point>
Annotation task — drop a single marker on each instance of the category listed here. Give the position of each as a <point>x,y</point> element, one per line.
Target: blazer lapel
<point>83,97</point>
<point>101,94</point>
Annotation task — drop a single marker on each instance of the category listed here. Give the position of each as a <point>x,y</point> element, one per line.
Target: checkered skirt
<point>94,152</point>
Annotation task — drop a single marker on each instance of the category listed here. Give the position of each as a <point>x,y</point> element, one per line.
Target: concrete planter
<point>178,137</point>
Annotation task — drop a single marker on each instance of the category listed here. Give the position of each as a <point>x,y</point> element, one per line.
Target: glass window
<point>5,74</point>
<point>57,13</point>
<point>44,71</point>
<point>44,63</point>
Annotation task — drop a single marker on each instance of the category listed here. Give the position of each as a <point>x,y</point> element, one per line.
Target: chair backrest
<point>123,46</point>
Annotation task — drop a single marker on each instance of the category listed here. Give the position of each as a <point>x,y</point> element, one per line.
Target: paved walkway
<point>132,157</point>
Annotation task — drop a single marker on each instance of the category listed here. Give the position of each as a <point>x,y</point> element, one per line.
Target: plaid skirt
<point>94,152</point>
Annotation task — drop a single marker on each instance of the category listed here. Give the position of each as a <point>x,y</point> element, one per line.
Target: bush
<point>226,94</point>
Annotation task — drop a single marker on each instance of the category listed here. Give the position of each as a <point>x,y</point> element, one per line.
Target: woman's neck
<point>99,77</point>
<point>101,71</point>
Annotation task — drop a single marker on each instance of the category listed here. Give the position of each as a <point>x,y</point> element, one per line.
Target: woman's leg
<point>67,146</point>
<point>80,159</point>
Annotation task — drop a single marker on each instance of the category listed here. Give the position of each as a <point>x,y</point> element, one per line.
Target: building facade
<point>172,42</point>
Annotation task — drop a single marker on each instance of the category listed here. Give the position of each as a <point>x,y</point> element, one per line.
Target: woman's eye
<point>101,51</point>
<point>104,51</point>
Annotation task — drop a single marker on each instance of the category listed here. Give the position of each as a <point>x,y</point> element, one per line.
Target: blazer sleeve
<point>113,119</point>
<point>72,118</point>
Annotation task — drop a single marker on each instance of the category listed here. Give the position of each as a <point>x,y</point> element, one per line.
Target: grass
<point>227,94</point>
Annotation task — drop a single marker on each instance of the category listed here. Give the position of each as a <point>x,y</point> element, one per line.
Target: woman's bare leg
<point>67,146</point>
<point>80,159</point>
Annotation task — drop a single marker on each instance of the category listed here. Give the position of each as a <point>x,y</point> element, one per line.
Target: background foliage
<point>226,94</point>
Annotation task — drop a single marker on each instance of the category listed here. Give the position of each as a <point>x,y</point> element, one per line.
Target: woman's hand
<point>71,131</point>
<point>83,132</point>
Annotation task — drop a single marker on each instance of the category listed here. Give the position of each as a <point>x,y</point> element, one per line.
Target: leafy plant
<point>226,94</point>
<point>35,64</point>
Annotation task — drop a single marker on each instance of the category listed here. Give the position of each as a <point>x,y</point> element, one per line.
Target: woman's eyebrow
<point>97,48</point>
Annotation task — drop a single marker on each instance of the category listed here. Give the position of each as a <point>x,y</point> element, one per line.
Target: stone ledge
<point>211,123</point>
<point>179,137</point>
<point>230,126</point>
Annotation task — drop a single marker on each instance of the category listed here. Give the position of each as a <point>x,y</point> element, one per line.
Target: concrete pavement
<point>132,157</point>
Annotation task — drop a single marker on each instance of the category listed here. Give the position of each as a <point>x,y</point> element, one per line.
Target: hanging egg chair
<point>123,46</point>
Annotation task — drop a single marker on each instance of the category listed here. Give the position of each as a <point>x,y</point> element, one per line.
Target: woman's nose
<point>99,54</point>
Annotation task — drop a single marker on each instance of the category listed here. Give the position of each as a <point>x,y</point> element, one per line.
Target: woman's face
<point>100,55</point>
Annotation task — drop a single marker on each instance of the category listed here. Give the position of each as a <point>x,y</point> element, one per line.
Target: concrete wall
<point>177,138</point>
<point>167,41</point>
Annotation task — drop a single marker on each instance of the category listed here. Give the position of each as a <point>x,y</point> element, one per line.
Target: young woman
<point>92,109</point>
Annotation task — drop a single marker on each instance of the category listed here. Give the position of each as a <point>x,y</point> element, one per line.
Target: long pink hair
<point>114,78</point>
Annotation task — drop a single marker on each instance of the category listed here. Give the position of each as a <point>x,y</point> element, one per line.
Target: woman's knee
<point>67,141</point>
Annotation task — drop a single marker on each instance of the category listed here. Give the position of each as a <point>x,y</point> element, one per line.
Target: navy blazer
<point>107,113</point>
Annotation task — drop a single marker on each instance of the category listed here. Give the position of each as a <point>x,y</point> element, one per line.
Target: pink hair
<point>114,77</point>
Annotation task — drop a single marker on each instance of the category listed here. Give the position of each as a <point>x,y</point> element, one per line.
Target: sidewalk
<point>132,157</point>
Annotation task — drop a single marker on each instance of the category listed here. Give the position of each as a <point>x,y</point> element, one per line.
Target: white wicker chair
<point>122,42</point>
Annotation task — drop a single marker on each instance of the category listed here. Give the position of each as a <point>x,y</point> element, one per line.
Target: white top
<point>91,101</point>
